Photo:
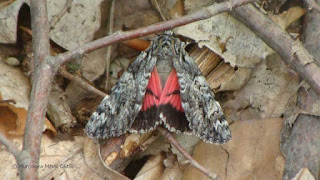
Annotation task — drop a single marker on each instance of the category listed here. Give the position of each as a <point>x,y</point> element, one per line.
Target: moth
<point>163,86</point>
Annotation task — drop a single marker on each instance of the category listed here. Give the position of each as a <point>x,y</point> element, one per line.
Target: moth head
<point>166,44</point>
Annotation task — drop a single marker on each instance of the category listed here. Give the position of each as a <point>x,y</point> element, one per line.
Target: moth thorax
<point>164,68</point>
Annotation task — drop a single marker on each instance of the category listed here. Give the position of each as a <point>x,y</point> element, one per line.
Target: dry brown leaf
<point>93,166</point>
<point>58,110</point>
<point>252,153</point>
<point>222,73</point>
<point>75,28</point>
<point>7,120</point>
<point>8,22</point>
<point>137,44</point>
<point>267,92</point>
<point>288,17</point>
<point>78,25</point>
<point>237,80</point>
<point>18,118</point>
<point>177,9</point>
<point>62,159</point>
<point>175,172</point>
<point>302,146</point>
<point>173,169</point>
<point>134,141</point>
<point>241,47</point>
<point>152,169</point>
<point>14,85</point>
<point>206,59</point>
<point>232,41</point>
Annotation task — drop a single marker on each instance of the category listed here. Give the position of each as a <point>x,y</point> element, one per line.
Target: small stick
<point>193,162</point>
<point>159,10</point>
<point>10,147</point>
<point>82,83</point>
<point>108,55</point>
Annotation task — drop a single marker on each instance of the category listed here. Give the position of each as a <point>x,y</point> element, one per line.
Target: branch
<point>10,147</point>
<point>291,51</point>
<point>42,79</point>
<point>193,162</point>
<point>81,82</point>
<point>162,26</point>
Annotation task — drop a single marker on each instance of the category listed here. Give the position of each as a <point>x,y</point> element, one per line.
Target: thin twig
<point>311,4</point>
<point>108,54</point>
<point>10,147</point>
<point>291,51</point>
<point>159,10</point>
<point>57,17</point>
<point>82,83</point>
<point>162,26</point>
<point>193,162</point>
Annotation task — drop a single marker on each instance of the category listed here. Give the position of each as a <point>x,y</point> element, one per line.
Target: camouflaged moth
<point>163,86</point>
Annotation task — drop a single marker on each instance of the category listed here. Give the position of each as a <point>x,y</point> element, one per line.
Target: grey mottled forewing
<point>205,116</point>
<point>116,113</point>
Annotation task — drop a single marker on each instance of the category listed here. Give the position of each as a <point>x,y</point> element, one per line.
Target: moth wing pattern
<point>122,110</point>
<point>205,116</point>
<point>116,113</point>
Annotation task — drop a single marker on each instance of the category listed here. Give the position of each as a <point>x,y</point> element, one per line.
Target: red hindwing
<point>156,96</point>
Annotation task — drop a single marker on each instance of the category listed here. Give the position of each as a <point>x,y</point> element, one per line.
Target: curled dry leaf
<point>220,76</point>
<point>222,73</point>
<point>152,169</point>
<point>118,152</point>
<point>8,21</point>
<point>75,28</point>
<point>174,172</point>
<point>205,58</point>
<point>59,111</point>
<point>15,123</point>
<point>173,169</point>
<point>14,85</point>
<point>135,141</point>
<point>94,167</point>
<point>228,38</point>
<point>234,42</point>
